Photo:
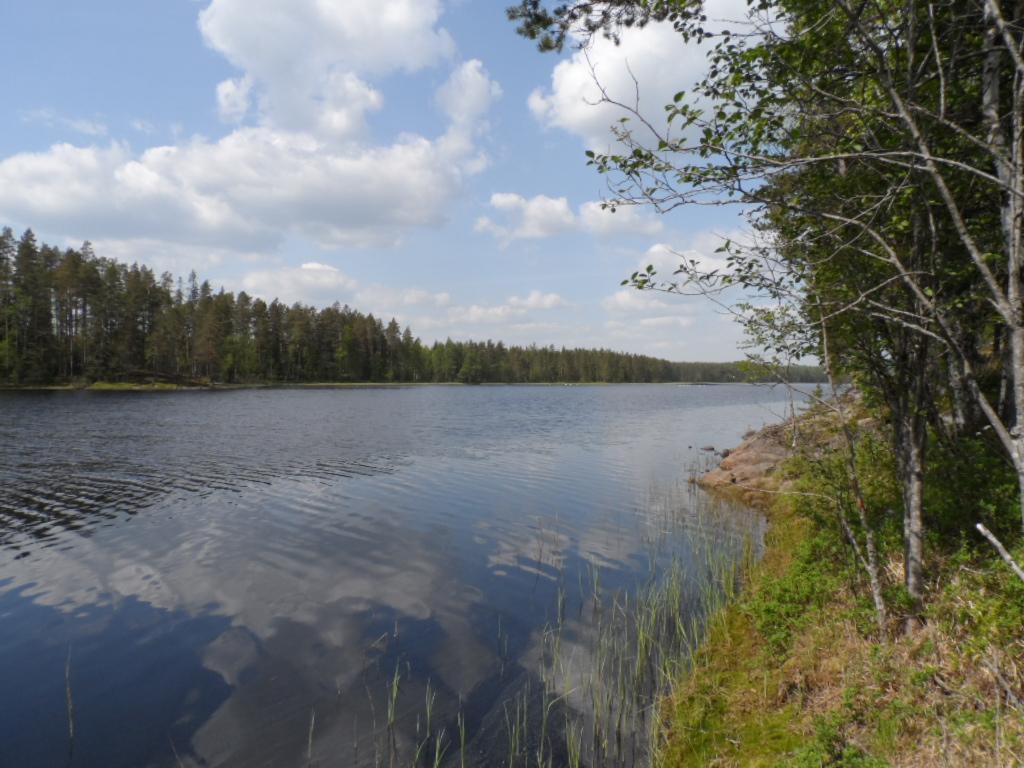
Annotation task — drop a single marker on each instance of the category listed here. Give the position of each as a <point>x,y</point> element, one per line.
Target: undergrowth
<point>795,671</point>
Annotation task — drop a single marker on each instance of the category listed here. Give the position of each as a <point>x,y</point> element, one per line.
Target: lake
<point>294,577</point>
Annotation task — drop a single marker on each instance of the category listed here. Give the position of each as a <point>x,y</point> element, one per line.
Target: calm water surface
<point>232,578</point>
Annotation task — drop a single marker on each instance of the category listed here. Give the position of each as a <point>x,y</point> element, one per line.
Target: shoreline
<point>750,472</point>
<point>104,386</point>
<point>734,706</point>
<point>793,669</point>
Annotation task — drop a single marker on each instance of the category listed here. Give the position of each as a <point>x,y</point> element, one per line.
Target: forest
<point>72,316</point>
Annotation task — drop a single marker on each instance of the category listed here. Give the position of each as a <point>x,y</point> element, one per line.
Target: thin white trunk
<point>869,559</point>
<point>910,455</point>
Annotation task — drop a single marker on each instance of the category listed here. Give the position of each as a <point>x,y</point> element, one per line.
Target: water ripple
<point>280,551</point>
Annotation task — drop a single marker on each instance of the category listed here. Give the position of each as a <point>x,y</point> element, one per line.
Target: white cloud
<point>675,325</point>
<point>178,259</point>
<point>657,57</point>
<point>142,126</point>
<point>538,300</point>
<point>320,284</point>
<point>709,242</point>
<point>630,300</point>
<point>346,101</point>
<point>515,309</point>
<point>383,296</point>
<point>626,219</point>
<point>666,321</point>
<point>664,259</point>
<point>702,253</point>
<point>304,168</point>
<point>295,52</point>
<point>233,100</point>
<point>535,328</point>
<point>312,283</point>
<point>704,335</point>
<point>537,217</point>
<point>52,119</point>
<point>541,216</point>
<point>246,190</point>
<point>430,313</point>
<point>476,313</point>
<point>468,94</point>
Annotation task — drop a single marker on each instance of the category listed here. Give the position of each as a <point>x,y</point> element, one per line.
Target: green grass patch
<point>794,672</point>
<point>127,386</point>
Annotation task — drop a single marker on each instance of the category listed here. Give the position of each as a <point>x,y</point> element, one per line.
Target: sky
<point>412,158</point>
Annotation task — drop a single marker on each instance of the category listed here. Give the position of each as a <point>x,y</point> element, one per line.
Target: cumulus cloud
<point>537,217</point>
<point>312,283</point>
<point>384,296</point>
<point>477,313</point>
<point>630,300</point>
<point>431,313</point>
<point>648,66</point>
<point>703,335</point>
<point>666,321</point>
<point>233,99</point>
<point>666,337</point>
<point>699,250</point>
<point>304,167</point>
<point>177,258</point>
<point>600,220</point>
<point>245,190</point>
<point>468,94</point>
<point>515,307</point>
<point>344,106</point>
<point>678,325</point>
<point>298,52</point>
<point>538,300</point>
<point>663,258</point>
<point>323,284</point>
<point>702,252</point>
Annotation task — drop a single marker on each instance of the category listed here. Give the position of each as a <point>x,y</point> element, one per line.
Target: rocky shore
<point>749,472</point>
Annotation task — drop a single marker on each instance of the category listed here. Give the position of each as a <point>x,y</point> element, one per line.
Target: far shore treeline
<point>72,316</point>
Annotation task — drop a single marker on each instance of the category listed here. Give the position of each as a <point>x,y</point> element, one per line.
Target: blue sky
<point>413,158</point>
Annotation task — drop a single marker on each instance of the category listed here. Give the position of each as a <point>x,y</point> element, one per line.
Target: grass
<point>794,673</point>
<point>126,386</point>
<point>720,709</point>
<point>102,386</point>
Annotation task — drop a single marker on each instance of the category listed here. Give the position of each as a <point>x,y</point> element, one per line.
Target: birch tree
<point>877,149</point>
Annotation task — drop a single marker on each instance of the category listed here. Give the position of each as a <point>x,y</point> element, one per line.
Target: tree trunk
<point>1017,363</point>
<point>910,448</point>
<point>870,558</point>
<point>1004,142</point>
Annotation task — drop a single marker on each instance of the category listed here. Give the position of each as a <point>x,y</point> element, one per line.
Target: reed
<point>309,741</point>
<point>593,696</point>
<point>70,701</point>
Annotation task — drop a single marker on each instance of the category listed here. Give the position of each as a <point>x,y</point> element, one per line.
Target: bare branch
<point>1003,553</point>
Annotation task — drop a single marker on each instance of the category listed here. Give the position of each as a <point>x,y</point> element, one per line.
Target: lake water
<point>238,578</point>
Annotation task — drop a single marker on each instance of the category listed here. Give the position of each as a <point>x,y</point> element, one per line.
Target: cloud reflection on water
<point>471,508</point>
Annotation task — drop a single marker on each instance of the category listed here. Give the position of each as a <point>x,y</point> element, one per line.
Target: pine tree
<point>33,328</point>
<point>8,249</point>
